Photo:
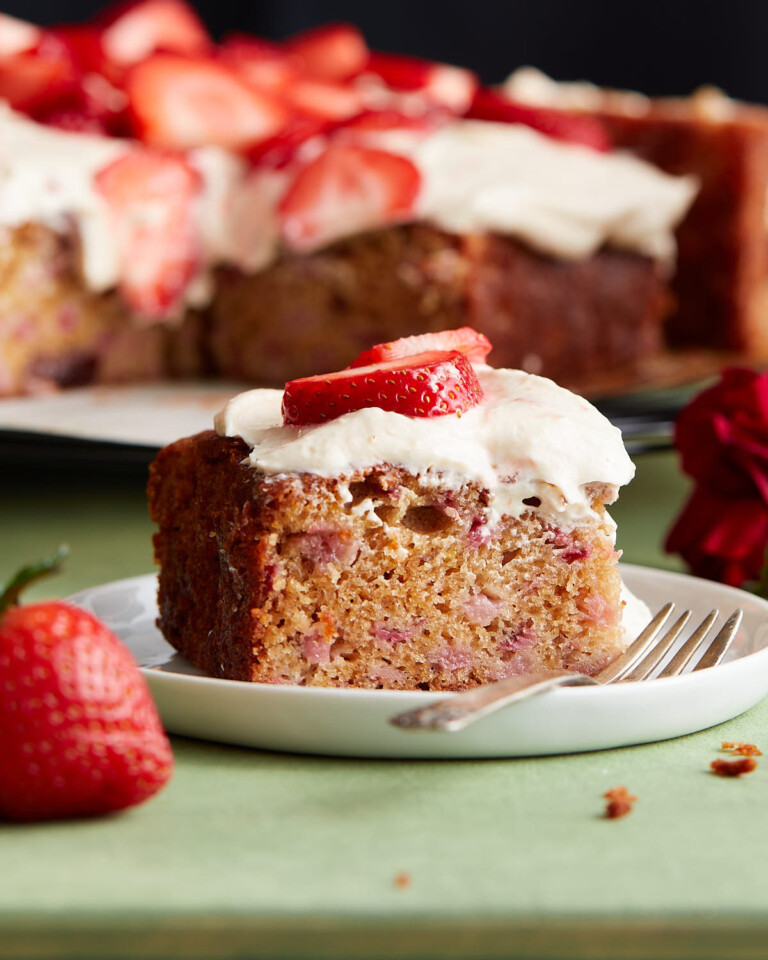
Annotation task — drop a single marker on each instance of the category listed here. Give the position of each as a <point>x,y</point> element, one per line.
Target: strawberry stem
<point>10,592</point>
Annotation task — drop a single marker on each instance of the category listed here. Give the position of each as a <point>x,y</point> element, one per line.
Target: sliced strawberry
<point>76,121</point>
<point>260,63</point>
<point>347,189</point>
<point>136,30</point>
<point>381,121</point>
<point>337,51</point>
<point>39,78</point>
<point>443,84</point>
<point>151,198</point>
<point>475,346</point>
<point>183,102</point>
<point>95,101</point>
<point>324,99</point>
<point>573,128</point>
<point>83,42</point>
<point>17,36</point>
<point>279,151</point>
<point>431,384</point>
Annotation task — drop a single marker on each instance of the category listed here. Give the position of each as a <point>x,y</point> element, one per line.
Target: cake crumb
<point>739,749</point>
<point>620,802</point>
<point>402,880</point>
<point>733,768</point>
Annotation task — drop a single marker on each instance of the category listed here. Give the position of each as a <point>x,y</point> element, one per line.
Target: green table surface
<point>252,854</point>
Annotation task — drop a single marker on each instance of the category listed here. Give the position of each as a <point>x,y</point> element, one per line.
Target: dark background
<point>653,46</point>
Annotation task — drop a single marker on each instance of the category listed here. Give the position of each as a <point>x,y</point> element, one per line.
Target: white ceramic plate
<point>354,722</point>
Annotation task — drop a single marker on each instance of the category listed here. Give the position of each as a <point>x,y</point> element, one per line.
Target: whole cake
<point>420,521</point>
<point>170,206</point>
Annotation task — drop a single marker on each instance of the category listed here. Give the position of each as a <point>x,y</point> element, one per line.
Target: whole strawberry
<point>79,732</point>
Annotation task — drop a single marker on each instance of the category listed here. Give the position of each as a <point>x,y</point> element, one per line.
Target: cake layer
<point>55,332</point>
<point>382,579</point>
<point>563,319</point>
<point>567,320</point>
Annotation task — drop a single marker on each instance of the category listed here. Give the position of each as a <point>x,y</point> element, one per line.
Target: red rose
<point>722,436</point>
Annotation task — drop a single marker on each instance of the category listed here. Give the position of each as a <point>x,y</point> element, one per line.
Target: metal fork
<point>638,662</point>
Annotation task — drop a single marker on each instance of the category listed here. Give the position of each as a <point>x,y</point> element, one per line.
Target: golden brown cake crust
<point>378,580</point>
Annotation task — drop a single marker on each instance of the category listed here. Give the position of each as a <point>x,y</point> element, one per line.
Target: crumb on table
<point>733,768</point>
<point>739,749</point>
<point>620,802</point>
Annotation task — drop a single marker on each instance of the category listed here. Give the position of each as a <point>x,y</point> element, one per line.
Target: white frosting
<point>562,199</point>
<point>237,213</point>
<point>529,85</point>
<point>528,438</point>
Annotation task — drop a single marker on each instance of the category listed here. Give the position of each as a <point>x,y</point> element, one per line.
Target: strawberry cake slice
<point>420,520</point>
<point>174,206</point>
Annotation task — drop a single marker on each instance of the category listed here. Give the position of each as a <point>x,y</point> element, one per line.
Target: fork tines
<point>643,657</point>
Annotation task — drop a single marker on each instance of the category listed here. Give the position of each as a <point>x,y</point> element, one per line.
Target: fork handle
<point>460,710</point>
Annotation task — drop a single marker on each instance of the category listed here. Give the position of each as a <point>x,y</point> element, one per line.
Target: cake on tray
<point>422,521</point>
<point>320,197</point>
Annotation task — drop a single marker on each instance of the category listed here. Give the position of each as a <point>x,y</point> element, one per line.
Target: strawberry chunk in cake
<point>420,522</point>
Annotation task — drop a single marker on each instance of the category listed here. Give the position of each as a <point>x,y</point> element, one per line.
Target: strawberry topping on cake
<point>337,51</point>
<point>17,36</point>
<point>496,107</point>
<point>262,64</point>
<point>476,346</point>
<point>151,196</point>
<point>431,384</point>
<point>356,186</point>
<point>184,90</point>
<point>138,29</point>
<point>441,83</point>
<point>181,102</point>
<point>253,151</point>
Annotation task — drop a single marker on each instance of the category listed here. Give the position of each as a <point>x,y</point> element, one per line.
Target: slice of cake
<point>421,521</point>
<point>173,206</point>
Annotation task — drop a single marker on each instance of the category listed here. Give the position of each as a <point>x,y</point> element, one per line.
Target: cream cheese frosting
<point>529,438</point>
<point>562,199</point>
<point>529,85</point>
